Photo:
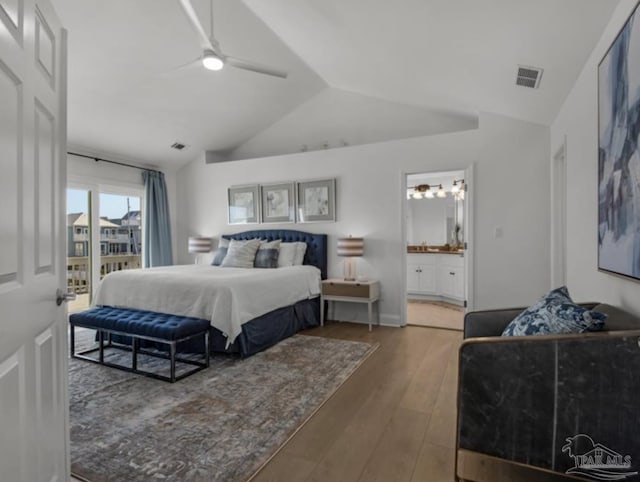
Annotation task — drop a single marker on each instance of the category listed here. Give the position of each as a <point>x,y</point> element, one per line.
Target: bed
<point>244,320</point>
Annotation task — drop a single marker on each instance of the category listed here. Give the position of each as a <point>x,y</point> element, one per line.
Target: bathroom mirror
<point>434,221</point>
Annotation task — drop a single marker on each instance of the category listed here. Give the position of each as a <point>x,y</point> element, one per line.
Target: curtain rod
<point>97,159</point>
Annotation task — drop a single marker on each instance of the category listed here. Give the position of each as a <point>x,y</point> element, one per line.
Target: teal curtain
<point>157,228</point>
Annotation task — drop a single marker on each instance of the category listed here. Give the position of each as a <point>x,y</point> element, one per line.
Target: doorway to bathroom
<point>436,211</point>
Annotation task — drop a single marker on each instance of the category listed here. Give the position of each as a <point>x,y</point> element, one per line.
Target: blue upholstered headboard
<point>316,254</point>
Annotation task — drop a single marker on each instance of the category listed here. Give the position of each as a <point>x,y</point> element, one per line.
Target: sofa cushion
<point>555,313</point>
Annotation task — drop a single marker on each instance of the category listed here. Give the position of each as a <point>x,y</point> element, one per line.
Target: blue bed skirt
<point>257,334</point>
<point>267,330</point>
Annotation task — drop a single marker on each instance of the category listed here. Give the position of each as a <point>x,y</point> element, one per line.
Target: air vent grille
<point>528,77</point>
<point>178,146</point>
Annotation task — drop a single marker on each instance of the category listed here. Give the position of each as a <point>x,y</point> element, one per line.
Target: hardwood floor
<point>435,314</point>
<point>393,420</point>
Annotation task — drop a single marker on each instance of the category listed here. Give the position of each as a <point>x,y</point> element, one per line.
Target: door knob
<point>61,296</point>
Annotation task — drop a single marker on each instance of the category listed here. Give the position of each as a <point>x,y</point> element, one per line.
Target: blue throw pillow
<point>555,313</point>
<point>219,256</point>
<point>221,252</point>
<point>267,254</point>
<point>266,258</point>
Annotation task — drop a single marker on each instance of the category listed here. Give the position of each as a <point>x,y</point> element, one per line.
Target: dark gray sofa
<point>525,399</point>
<point>493,322</point>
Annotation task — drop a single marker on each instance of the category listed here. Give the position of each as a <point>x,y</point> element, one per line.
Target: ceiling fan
<point>212,56</point>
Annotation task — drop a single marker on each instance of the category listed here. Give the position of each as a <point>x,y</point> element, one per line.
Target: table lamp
<point>350,248</point>
<point>199,244</point>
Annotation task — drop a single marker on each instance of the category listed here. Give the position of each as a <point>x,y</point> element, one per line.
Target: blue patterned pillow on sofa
<point>555,313</point>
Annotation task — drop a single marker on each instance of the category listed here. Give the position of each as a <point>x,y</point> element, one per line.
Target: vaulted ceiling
<point>442,57</point>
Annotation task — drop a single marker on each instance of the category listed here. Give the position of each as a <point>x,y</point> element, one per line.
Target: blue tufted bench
<point>140,325</point>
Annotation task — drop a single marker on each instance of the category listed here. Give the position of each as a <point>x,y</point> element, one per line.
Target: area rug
<point>220,424</point>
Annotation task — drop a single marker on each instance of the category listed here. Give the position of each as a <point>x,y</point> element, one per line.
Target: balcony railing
<point>120,237</point>
<point>78,269</point>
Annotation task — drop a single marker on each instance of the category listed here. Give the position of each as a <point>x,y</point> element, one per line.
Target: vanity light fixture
<point>420,191</point>
<point>425,191</point>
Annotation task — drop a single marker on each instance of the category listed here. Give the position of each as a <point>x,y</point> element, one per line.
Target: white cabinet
<point>452,282</point>
<point>421,278</point>
<point>436,275</point>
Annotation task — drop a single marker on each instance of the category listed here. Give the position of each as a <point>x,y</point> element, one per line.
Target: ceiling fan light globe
<point>212,62</point>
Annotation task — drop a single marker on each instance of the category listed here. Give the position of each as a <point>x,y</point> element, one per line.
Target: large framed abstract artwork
<point>619,153</point>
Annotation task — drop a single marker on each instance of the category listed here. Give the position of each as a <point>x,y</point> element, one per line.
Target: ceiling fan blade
<point>191,64</point>
<point>205,42</point>
<point>253,67</point>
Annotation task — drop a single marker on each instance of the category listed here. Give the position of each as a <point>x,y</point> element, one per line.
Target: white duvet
<point>229,297</point>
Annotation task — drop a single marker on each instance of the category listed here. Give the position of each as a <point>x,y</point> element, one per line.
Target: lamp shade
<point>350,246</point>
<point>199,244</point>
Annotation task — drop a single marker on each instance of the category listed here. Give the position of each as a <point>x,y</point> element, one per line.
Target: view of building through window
<point>120,239</point>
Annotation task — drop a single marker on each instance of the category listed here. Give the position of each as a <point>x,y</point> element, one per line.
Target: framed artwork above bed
<point>619,153</point>
<point>278,203</point>
<point>244,204</point>
<point>316,201</point>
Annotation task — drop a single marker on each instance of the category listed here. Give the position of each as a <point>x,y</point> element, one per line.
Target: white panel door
<point>33,388</point>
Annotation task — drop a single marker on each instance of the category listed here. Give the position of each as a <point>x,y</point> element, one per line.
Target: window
<point>102,238</point>
<point>79,249</point>
<point>78,259</point>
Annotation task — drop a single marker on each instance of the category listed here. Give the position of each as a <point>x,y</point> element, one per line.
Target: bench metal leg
<point>134,352</point>
<point>173,361</point>
<point>101,347</point>
<point>135,348</point>
<point>206,349</point>
<point>72,342</point>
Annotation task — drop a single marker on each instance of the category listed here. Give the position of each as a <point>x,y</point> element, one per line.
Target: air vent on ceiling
<point>528,76</point>
<point>178,145</point>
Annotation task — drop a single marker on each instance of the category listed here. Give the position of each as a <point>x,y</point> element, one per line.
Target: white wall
<point>578,120</point>
<point>336,116</point>
<point>511,159</point>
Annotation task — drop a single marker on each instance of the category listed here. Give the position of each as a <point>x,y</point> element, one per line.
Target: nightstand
<point>337,289</point>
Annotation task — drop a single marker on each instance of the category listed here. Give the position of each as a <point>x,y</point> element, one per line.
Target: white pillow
<point>241,254</point>
<point>287,254</point>
<point>301,248</point>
